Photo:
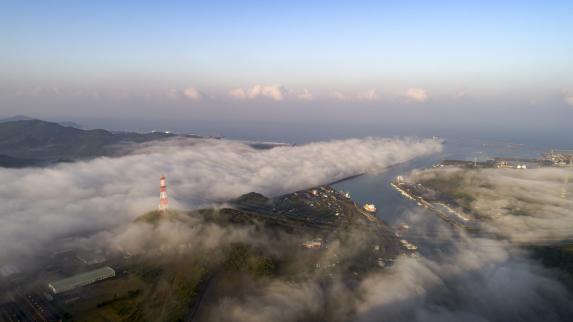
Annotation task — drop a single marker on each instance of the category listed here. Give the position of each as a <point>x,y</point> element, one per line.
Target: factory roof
<point>82,279</point>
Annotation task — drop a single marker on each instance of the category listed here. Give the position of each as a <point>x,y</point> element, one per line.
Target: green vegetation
<point>445,184</point>
<point>169,284</point>
<point>148,274</point>
<point>155,216</point>
<point>130,295</point>
<point>41,140</point>
<point>112,300</point>
<point>244,258</point>
<point>463,198</point>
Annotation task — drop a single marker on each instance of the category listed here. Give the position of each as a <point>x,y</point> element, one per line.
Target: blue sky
<point>58,55</point>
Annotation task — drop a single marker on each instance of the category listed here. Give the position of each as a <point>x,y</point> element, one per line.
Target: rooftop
<point>81,279</point>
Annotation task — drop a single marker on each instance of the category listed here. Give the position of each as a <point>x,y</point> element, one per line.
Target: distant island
<point>27,142</point>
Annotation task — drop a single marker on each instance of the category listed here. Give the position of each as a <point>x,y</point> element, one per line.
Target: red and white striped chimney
<point>163,204</point>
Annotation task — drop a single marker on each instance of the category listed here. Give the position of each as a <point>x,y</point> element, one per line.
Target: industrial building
<point>82,279</point>
<point>560,158</point>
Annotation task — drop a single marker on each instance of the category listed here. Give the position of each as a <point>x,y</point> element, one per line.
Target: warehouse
<point>82,279</point>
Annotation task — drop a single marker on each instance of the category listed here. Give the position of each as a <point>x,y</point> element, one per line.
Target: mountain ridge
<point>49,141</point>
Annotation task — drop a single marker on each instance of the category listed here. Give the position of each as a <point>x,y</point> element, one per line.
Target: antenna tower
<point>163,203</point>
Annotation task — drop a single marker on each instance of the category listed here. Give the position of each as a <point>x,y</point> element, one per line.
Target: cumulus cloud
<point>43,204</point>
<point>461,93</point>
<point>189,93</point>
<point>305,95</point>
<point>568,96</point>
<point>368,95</point>
<point>192,94</point>
<point>273,92</point>
<point>418,95</point>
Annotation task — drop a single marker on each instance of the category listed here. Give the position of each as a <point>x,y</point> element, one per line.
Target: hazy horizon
<point>272,71</point>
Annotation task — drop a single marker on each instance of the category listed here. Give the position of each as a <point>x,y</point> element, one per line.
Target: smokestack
<point>163,204</point>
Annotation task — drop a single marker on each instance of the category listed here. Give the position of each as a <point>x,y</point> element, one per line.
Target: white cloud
<point>369,95</point>
<point>274,92</point>
<point>238,93</point>
<point>461,93</point>
<point>475,279</point>
<point>418,95</point>
<point>190,93</point>
<point>543,213</point>
<point>481,280</point>
<point>568,97</point>
<point>41,205</point>
<point>305,95</point>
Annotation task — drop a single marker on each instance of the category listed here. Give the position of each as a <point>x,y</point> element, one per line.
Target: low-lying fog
<point>41,205</point>
<point>479,280</point>
<point>533,205</point>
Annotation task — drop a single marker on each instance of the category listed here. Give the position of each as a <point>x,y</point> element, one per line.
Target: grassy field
<point>118,296</point>
<point>152,290</point>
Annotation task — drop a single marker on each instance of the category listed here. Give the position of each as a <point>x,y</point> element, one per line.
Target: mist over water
<point>357,93</point>
<point>45,204</point>
<point>456,276</point>
<point>459,277</point>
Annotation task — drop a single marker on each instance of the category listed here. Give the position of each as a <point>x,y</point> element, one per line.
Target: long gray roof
<point>82,279</point>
